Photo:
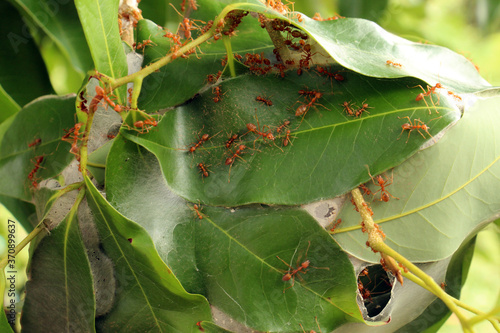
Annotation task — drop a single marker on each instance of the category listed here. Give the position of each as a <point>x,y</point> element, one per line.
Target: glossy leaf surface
<point>364,47</point>
<point>328,150</point>
<point>100,25</point>
<point>17,159</point>
<point>148,296</point>
<point>23,75</point>
<point>230,255</point>
<point>10,105</point>
<point>21,210</point>
<point>70,306</point>
<point>447,192</point>
<point>59,20</point>
<point>183,78</point>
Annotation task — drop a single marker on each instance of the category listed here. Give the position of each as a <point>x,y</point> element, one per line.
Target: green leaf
<point>97,161</point>
<point>100,24</point>
<point>10,106</point>
<point>148,297</point>
<point>59,20</point>
<point>4,126</point>
<point>436,314</point>
<point>230,255</point>
<point>183,78</point>
<point>60,265</point>
<point>4,323</point>
<point>364,47</point>
<point>447,192</point>
<point>20,62</point>
<point>44,119</point>
<point>329,149</point>
<point>367,9</point>
<point>21,210</point>
<point>212,328</point>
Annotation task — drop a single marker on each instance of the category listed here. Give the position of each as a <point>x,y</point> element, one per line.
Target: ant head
<point>385,197</point>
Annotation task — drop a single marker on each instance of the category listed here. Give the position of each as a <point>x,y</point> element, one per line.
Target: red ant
<point>101,94</point>
<point>348,109</point>
<point>239,151</point>
<point>302,268</point>
<point>416,125</point>
<point>383,183</point>
<point>145,125</point>
<point>197,210</point>
<point>230,160</point>
<point>212,78</point>
<point>281,69</point>
<point>287,139</point>
<point>332,230</point>
<point>365,189</point>
<point>365,293</point>
<point>31,176</point>
<point>72,136</point>
<point>187,26</point>
<point>139,46</point>
<point>393,64</point>
<point>302,109</point>
<point>364,272</point>
<point>253,128</point>
<point>317,17</point>
<point>35,142</point>
<point>325,72</point>
<point>430,90</point>
<point>362,109</point>
<point>286,123</point>
<point>192,4</point>
<point>199,323</point>
<point>263,100</point>
<point>217,92</point>
<point>305,59</point>
<point>199,143</point>
<point>454,95</point>
<point>368,208</point>
<point>231,140</point>
<point>203,169</point>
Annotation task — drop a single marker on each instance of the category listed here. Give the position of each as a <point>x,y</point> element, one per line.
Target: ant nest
<point>325,212</point>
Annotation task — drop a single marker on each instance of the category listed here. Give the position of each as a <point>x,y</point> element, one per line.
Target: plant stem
<point>230,57</point>
<point>376,242</point>
<point>39,228</point>
<point>486,316</point>
<point>431,284</point>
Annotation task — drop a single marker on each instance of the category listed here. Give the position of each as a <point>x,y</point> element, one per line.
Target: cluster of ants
<point>241,148</point>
